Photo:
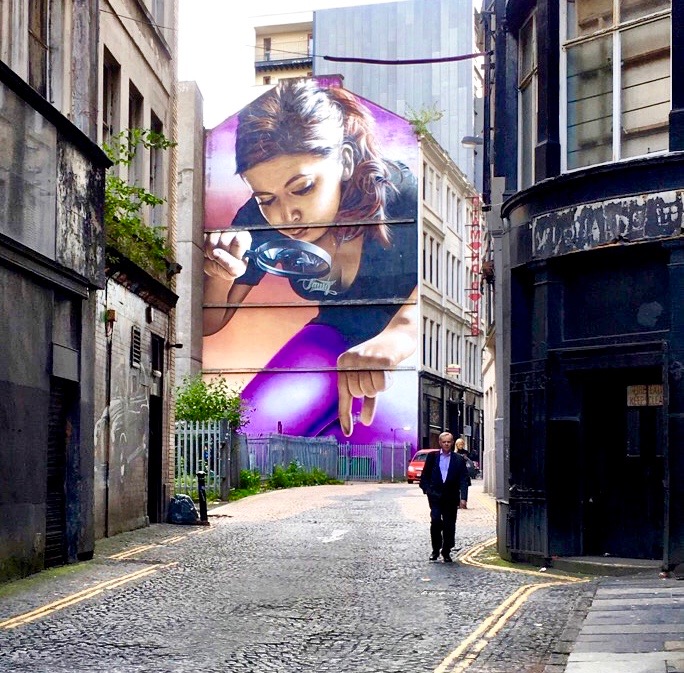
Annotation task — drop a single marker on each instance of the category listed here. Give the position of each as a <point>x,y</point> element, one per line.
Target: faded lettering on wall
<point>618,220</point>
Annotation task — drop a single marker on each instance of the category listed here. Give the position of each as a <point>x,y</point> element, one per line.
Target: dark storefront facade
<point>592,280</point>
<point>445,405</point>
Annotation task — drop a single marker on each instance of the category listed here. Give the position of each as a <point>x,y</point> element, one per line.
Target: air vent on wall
<point>136,346</point>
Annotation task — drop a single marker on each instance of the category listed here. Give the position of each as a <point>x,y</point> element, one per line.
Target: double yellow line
<point>468,651</point>
<point>98,588</point>
<point>72,599</point>
<point>128,553</point>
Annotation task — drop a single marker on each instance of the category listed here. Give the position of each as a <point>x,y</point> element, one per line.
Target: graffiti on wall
<point>617,220</point>
<point>311,263</point>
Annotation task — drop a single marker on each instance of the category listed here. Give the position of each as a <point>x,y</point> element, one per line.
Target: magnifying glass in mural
<point>291,259</point>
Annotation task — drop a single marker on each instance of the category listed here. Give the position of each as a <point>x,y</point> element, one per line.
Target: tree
<point>201,400</point>
<point>125,228</point>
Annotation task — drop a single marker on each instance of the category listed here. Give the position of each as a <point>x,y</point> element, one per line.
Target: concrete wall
<point>51,258</point>
<point>46,336</point>
<point>190,284</point>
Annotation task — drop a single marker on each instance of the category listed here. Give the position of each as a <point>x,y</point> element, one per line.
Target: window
<point>431,342</point>
<point>449,279</point>
<point>527,107</point>
<point>432,262</point>
<point>459,216</point>
<point>157,353</point>
<point>617,56</point>
<point>438,252</point>
<point>135,121</point>
<point>38,46</point>
<point>267,79</point>
<point>459,281</point>
<point>425,326</point>
<point>452,204</point>
<point>111,74</point>
<point>438,345</point>
<point>157,174</point>
<point>267,49</point>
<point>424,256</point>
<point>449,206</point>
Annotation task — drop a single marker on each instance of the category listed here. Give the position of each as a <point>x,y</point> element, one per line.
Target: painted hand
<point>363,372</point>
<point>224,252</point>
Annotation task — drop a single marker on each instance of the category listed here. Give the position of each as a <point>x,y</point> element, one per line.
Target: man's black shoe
<point>434,556</point>
<point>447,558</point>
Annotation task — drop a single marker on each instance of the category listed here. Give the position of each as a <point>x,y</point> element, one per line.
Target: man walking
<point>445,482</point>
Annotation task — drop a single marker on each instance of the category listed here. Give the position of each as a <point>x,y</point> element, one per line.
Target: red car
<point>415,467</point>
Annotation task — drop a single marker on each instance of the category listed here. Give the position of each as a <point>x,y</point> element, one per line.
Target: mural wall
<point>310,299</point>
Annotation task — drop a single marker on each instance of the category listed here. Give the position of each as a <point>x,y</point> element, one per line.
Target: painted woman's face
<point>294,188</point>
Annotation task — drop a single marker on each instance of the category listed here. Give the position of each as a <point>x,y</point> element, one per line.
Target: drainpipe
<point>110,319</point>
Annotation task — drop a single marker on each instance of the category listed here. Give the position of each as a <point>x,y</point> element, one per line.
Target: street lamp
<point>405,428</point>
<point>472,142</point>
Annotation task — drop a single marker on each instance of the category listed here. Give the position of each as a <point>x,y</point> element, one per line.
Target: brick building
<point>136,331</point>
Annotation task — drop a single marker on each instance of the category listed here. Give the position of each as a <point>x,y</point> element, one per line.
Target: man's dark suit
<point>444,498</point>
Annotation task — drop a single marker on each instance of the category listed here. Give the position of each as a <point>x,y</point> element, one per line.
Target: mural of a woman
<point>323,195</point>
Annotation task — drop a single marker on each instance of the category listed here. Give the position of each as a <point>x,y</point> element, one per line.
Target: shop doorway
<point>154,462</point>
<point>622,464</point>
<point>155,456</point>
<point>63,399</point>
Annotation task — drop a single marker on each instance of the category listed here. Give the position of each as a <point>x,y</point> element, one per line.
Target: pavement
<point>633,624</point>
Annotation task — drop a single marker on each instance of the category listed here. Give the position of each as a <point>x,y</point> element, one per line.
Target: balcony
<point>288,55</point>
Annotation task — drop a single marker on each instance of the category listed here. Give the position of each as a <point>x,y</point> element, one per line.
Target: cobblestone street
<point>332,578</point>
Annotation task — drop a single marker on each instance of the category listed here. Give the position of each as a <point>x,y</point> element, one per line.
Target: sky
<point>218,52</point>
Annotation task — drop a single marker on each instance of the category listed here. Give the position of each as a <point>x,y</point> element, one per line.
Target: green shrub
<point>250,480</point>
<point>124,204</point>
<point>198,399</point>
<point>295,475</point>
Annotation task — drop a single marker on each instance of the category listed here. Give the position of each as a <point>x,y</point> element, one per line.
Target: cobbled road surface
<point>317,579</point>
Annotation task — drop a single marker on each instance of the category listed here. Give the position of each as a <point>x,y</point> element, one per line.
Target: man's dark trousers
<point>442,523</point>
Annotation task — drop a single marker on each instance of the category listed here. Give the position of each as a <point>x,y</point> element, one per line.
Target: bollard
<point>202,494</point>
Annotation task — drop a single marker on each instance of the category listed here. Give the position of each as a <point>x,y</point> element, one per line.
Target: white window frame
<point>532,82</point>
<point>617,83</point>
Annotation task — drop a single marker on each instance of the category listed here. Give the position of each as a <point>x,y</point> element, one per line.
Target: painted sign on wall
<point>617,220</point>
<point>311,263</point>
<point>475,249</point>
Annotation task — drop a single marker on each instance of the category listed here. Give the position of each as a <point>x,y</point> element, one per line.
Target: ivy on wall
<point>124,205</point>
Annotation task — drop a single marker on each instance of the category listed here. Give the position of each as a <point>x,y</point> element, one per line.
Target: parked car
<point>415,467</point>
